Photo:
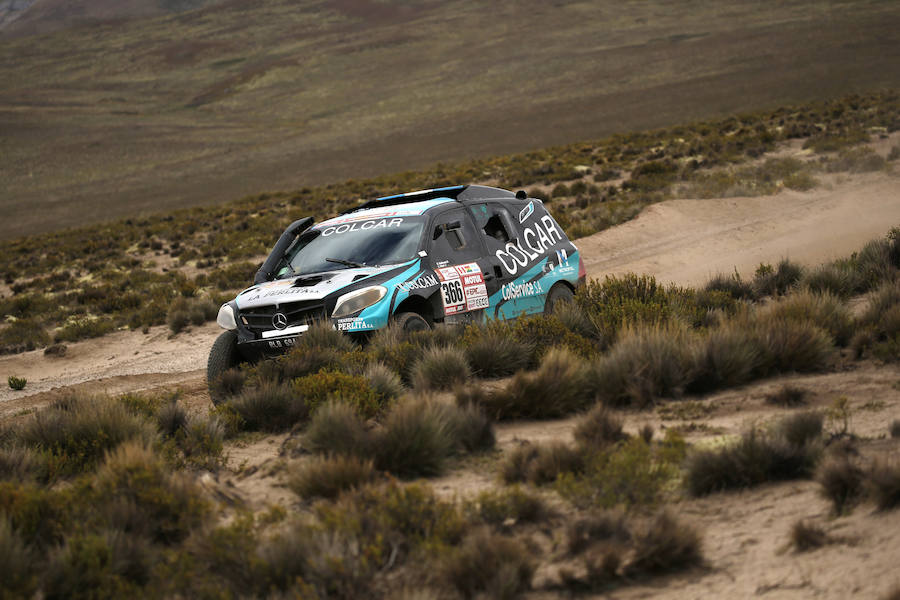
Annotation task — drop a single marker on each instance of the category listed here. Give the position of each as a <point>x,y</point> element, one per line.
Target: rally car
<point>450,255</point>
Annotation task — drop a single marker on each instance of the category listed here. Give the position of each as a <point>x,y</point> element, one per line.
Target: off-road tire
<point>223,355</point>
<point>558,293</point>
<point>410,321</point>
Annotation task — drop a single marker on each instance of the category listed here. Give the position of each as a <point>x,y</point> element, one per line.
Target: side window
<point>454,239</point>
<point>494,224</point>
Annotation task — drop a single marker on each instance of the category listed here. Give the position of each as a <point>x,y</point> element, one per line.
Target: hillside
<point>148,113</point>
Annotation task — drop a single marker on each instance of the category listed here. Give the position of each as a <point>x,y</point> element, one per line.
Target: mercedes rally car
<point>451,255</point>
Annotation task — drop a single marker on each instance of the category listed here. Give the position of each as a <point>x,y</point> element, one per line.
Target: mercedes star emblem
<point>279,320</point>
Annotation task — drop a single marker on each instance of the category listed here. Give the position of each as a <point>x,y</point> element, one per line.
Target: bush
<point>384,382</point>
<point>664,545</point>
<point>598,526</point>
<point>416,439</point>
<point>201,440</point>
<point>884,485</point>
<point>351,389</point>
<point>895,428</point>
<point>17,578</point>
<point>19,463</point>
<point>801,429</point>
<point>599,428</point>
<point>876,263</point>
<point>322,336</point>
<point>471,428</point>
<point>645,364</point>
<point>541,464</point>
<point>337,428</point>
<point>841,481</point>
<point>487,564</point>
<point>164,506</point>
<point>786,345</point>
<point>558,387</point>
<point>755,459</point>
<point>229,383</point>
<point>23,335</point>
<point>327,477</point>
<point>171,419</point>
<point>499,507</point>
<point>440,368</point>
<point>728,356</point>
<point>822,309</point>
<point>16,383</point>
<point>494,352</point>
<point>732,285</point>
<point>788,396</point>
<point>806,536</point>
<point>769,281</point>
<point>840,279</point>
<point>270,407</point>
<point>77,431</point>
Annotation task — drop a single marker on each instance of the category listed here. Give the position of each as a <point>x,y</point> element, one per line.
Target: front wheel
<point>224,355</point>
<point>410,321</point>
<point>558,293</point>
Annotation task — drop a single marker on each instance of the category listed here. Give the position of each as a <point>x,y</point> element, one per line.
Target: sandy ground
<point>683,241</point>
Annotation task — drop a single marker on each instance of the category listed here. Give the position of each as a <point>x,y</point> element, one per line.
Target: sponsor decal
<point>526,212</point>
<point>290,292</point>
<point>462,288</point>
<point>422,283</point>
<point>369,216</point>
<point>513,290</point>
<point>361,226</point>
<point>562,258</point>
<point>536,240</point>
<point>354,324</point>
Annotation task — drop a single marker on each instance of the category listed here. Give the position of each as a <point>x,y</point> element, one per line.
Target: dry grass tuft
<point>807,536</point>
<point>842,482</point>
<point>599,428</point>
<point>327,477</point>
<point>487,565</point>
<point>883,481</point>
<point>270,407</point>
<point>664,545</point>
<point>440,368</point>
<point>788,396</point>
<point>336,428</point>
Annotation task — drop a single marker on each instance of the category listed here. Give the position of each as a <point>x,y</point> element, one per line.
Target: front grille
<point>259,319</point>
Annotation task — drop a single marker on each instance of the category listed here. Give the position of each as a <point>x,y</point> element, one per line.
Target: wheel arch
<point>420,305</point>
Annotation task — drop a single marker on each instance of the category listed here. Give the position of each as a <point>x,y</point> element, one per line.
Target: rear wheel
<point>410,321</point>
<point>558,293</point>
<point>224,355</point>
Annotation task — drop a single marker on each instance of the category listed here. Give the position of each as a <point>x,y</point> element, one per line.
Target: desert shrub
<point>416,439</point>
<point>17,578</point>
<point>327,477</point>
<point>732,285</point>
<point>23,335</point>
<point>665,544</point>
<point>84,328</point>
<point>499,507</point>
<point>645,364</point>
<point>727,356</point>
<point>630,474</point>
<point>201,441</point>
<point>440,368</point>
<point>269,407</point>
<point>391,346</point>
<point>384,382</point>
<point>597,526</point>
<point>166,506</point>
<point>822,309</point>
<point>856,160</point>
<point>171,419</point>
<point>801,428</point>
<point>471,429</point>
<point>807,536</point>
<point>541,463</point>
<point>194,311</point>
<point>880,325</point>
<point>841,482</point>
<point>16,383</point>
<point>75,432</point>
<point>574,318</point>
<point>777,281</point>
<point>558,387</point>
<point>560,190</point>
<point>787,345</point>
<point>487,564</point>
<point>895,428</point>
<point>322,336</point>
<point>839,278</point>
<point>229,383</point>
<point>493,352</point>
<point>883,482</point>
<point>350,389</point>
<point>540,333</point>
<point>754,459</point>
<point>299,362</point>
<point>788,396</point>
<point>20,463</point>
<point>876,262</point>
<point>337,428</point>
<point>599,428</point>
<point>836,139</point>
<point>83,568</point>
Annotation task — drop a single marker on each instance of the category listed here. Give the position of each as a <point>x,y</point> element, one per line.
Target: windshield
<point>369,243</point>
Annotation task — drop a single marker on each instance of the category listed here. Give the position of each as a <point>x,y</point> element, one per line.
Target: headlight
<point>354,302</point>
<point>226,317</point>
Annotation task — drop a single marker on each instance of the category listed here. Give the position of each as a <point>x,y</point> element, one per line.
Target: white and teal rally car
<point>449,255</point>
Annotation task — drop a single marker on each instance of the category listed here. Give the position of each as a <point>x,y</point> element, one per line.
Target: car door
<point>496,227</point>
<point>456,253</point>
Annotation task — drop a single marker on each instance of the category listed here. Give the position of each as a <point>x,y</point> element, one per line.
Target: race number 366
<point>453,292</point>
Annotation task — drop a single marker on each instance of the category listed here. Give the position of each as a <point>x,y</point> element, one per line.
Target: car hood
<point>305,287</point>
